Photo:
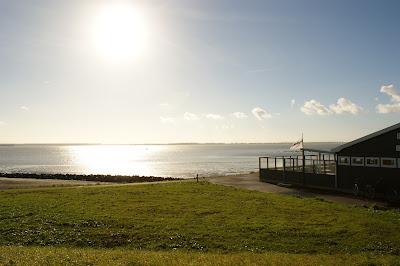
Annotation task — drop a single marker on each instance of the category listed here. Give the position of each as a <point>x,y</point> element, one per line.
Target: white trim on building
<point>388,162</point>
<point>372,162</point>
<point>344,160</point>
<point>357,161</point>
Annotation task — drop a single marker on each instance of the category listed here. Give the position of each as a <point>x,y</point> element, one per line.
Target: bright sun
<point>119,32</point>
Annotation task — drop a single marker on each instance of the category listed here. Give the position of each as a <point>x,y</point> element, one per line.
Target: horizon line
<point>171,143</point>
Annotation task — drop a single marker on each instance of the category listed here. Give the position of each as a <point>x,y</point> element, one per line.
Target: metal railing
<point>307,164</point>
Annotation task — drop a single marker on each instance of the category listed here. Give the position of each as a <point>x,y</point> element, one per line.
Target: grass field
<point>88,256</point>
<point>190,222</point>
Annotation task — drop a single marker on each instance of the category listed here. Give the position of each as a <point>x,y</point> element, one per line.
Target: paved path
<point>252,182</point>
<point>21,183</point>
<point>28,183</point>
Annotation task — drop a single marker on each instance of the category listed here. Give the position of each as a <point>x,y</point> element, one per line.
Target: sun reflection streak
<point>114,159</point>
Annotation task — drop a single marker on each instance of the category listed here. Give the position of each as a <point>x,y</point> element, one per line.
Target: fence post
<point>267,162</point>
<point>275,163</point>
<point>284,164</point>
<point>284,169</point>
<point>324,167</point>
<point>313,165</point>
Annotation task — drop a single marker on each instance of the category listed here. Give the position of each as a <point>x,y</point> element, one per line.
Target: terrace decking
<point>317,171</point>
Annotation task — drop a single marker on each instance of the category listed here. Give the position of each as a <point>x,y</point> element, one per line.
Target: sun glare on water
<point>120,32</point>
<point>114,159</point>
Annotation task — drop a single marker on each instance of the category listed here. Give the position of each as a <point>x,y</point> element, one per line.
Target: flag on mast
<point>298,146</point>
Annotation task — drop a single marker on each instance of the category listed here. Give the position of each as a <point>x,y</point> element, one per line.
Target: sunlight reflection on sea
<point>157,160</point>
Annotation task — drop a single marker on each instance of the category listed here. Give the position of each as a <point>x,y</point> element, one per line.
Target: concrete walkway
<point>251,182</point>
<point>22,183</point>
<point>7,183</point>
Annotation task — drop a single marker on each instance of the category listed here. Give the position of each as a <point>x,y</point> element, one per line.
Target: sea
<point>172,160</point>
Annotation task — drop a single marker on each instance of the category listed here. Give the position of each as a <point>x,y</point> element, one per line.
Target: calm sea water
<point>157,160</point>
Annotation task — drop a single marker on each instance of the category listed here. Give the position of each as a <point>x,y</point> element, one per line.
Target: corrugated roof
<point>367,137</point>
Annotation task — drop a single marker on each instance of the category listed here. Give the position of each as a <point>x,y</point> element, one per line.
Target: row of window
<point>369,161</point>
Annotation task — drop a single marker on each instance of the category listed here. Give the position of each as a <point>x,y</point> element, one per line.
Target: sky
<point>169,71</point>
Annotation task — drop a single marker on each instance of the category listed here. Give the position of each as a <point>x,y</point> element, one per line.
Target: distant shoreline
<point>162,144</point>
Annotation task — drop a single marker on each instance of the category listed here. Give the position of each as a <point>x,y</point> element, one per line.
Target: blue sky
<point>205,71</point>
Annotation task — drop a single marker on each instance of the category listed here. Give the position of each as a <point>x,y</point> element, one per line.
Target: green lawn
<point>87,256</point>
<point>204,221</point>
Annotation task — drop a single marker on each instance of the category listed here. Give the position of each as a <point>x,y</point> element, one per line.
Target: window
<point>357,161</point>
<point>397,147</point>
<point>388,162</point>
<point>398,135</point>
<point>372,161</point>
<point>344,160</point>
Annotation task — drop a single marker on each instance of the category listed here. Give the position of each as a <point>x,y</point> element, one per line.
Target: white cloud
<point>344,105</point>
<point>24,108</point>
<point>389,90</point>
<point>190,116</point>
<point>292,103</point>
<point>167,120</point>
<point>388,108</point>
<point>313,107</point>
<point>214,116</point>
<point>394,107</point>
<point>2,123</point>
<point>260,113</point>
<point>239,115</point>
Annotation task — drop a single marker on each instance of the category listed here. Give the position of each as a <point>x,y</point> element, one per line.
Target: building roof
<point>317,151</point>
<point>367,137</point>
